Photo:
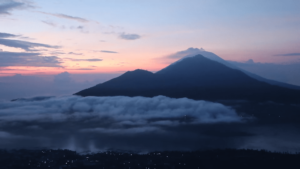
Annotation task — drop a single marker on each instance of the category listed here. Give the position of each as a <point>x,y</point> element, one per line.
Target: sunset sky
<point>216,74</point>
<point>112,36</point>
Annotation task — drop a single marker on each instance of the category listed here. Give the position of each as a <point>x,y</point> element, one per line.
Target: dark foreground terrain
<point>229,158</point>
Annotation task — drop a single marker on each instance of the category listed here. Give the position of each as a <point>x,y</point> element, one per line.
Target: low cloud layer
<point>120,122</point>
<point>132,111</point>
<point>136,124</point>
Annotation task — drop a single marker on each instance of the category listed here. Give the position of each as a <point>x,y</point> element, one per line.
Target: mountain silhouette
<point>217,58</point>
<point>196,78</point>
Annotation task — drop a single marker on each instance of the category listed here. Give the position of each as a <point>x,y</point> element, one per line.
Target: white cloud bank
<point>105,122</point>
<point>122,109</point>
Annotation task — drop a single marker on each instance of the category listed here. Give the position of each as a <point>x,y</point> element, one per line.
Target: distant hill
<point>197,78</point>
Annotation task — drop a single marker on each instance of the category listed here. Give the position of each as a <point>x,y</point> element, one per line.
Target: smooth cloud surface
<point>106,122</point>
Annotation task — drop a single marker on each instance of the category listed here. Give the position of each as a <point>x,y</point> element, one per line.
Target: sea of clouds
<point>91,124</point>
<point>98,123</point>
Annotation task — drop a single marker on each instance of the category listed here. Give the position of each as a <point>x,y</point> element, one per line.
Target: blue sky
<point>111,37</point>
<point>235,30</point>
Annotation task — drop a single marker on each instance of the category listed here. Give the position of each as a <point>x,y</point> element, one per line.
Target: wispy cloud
<point>72,53</point>
<point>74,18</point>
<point>25,45</point>
<point>28,59</point>
<point>81,28</point>
<point>289,54</point>
<point>186,53</point>
<point>50,23</point>
<point>6,6</point>
<point>57,53</point>
<point>28,46</point>
<point>7,35</point>
<point>82,69</point>
<point>106,51</point>
<point>129,36</point>
<point>85,60</point>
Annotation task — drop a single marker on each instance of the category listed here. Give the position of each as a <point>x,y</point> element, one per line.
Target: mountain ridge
<point>214,57</point>
<point>196,78</point>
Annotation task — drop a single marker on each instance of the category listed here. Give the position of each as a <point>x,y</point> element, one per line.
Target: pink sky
<point>109,37</point>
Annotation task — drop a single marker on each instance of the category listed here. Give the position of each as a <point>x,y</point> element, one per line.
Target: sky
<point>92,40</point>
<point>56,48</point>
<point>111,36</point>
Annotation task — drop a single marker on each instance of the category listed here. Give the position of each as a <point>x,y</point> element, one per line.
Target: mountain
<point>216,58</point>
<point>193,77</point>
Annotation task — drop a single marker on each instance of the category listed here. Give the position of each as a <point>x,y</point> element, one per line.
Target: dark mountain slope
<point>131,79</point>
<point>272,82</point>
<point>216,58</point>
<point>200,71</point>
<point>196,78</point>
